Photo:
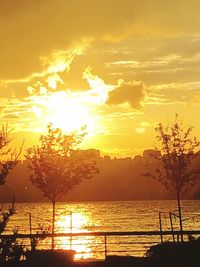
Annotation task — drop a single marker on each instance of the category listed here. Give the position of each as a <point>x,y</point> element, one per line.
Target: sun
<point>67,113</point>
<point>64,110</point>
<point>69,117</point>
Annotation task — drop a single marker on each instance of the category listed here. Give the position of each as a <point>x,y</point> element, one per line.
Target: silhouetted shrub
<point>176,254</point>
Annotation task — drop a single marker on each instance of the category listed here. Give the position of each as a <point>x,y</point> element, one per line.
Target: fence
<point>101,244</point>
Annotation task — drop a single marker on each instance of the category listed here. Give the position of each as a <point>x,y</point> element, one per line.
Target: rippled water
<point>102,217</point>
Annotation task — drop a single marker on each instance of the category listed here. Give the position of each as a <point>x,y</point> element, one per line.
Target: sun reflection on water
<point>74,222</point>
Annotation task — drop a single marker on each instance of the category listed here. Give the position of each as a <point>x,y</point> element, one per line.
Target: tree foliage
<point>8,156</point>
<point>5,216</point>
<point>55,164</point>
<point>10,249</point>
<point>172,164</point>
<point>8,159</point>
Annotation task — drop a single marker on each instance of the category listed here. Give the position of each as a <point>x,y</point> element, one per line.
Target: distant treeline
<point>118,179</point>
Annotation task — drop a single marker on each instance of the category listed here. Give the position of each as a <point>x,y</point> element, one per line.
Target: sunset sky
<point>119,67</point>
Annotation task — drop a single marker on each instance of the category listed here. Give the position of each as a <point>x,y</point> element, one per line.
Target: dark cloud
<point>128,92</point>
<point>32,30</point>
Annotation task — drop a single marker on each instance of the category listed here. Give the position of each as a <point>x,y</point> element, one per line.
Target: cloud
<point>11,116</point>
<point>16,113</point>
<point>141,129</point>
<point>40,82</point>
<point>33,30</point>
<point>36,30</point>
<point>132,92</point>
<point>174,93</point>
<point>99,90</point>
<point>157,61</point>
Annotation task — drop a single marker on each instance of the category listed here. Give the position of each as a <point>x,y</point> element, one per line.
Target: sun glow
<point>65,110</point>
<point>68,113</point>
<point>71,110</point>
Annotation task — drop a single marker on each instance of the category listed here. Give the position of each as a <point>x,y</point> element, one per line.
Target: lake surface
<point>102,217</point>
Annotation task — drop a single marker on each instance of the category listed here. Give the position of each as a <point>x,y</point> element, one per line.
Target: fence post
<point>105,246</point>
<point>30,223</point>
<point>160,223</point>
<point>71,225</point>
<point>172,228</point>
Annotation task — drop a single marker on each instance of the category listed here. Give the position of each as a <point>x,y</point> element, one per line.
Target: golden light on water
<point>71,221</point>
<point>74,223</point>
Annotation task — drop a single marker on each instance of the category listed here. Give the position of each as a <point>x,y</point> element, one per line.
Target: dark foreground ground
<point>112,261</point>
<point>185,254</point>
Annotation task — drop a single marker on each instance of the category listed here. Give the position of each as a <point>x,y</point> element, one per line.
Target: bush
<point>176,254</point>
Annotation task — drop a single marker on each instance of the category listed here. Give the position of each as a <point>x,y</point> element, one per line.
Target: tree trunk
<point>179,213</point>
<point>53,223</point>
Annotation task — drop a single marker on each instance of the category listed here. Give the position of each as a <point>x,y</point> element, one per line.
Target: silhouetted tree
<point>57,167</point>
<point>8,160</point>
<point>9,248</point>
<point>8,156</point>
<point>172,163</point>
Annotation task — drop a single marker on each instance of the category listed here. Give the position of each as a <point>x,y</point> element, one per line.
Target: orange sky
<point>119,67</point>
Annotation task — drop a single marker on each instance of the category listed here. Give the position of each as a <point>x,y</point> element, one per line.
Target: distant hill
<point>119,179</point>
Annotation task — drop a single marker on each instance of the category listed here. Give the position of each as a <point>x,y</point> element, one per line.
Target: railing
<point>173,215</point>
<point>107,243</point>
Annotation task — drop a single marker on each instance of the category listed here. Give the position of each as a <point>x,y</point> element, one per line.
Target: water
<point>101,217</point>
